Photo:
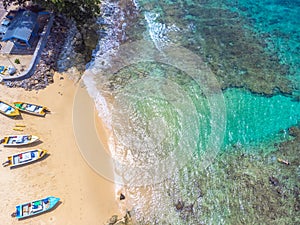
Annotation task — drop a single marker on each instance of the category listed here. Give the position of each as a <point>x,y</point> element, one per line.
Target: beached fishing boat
<point>37,110</point>
<point>35,207</point>
<point>23,158</point>
<point>18,140</point>
<point>8,110</point>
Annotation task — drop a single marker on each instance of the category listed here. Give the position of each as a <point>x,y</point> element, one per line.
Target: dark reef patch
<point>237,55</point>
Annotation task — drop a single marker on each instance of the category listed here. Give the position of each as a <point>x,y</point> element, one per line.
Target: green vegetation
<point>17,61</point>
<point>80,10</point>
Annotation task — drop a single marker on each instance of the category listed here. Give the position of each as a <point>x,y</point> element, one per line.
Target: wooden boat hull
<point>24,158</point>
<point>33,109</point>
<point>18,140</point>
<point>36,207</point>
<point>8,110</point>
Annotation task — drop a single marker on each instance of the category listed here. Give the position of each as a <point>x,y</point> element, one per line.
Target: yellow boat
<point>18,140</point>
<point>22,158</point>
<point>8,110</point>
<point>18,129</point>
<point>34,109</point>
<point>20,125</point>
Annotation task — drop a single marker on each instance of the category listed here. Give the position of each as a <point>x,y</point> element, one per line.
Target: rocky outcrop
<point>126,220</point>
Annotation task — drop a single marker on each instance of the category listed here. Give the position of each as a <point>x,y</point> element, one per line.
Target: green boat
<point>33,109</point>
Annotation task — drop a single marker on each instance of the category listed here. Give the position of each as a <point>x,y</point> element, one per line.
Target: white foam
<point>108,44</point>
<point>136,4</point>
<point>158,31</point>
<point>100,101</point>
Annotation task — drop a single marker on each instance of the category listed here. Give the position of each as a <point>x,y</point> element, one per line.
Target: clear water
<point>254,118</point>
<point>175,125</point>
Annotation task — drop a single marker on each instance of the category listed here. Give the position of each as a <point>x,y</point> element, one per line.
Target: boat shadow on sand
<point>48,211</point>
<point>33,144</point>
<point>17,118</point>
<point>33,162</point>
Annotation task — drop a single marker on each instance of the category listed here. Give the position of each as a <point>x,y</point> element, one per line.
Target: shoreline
<point>85,196</point>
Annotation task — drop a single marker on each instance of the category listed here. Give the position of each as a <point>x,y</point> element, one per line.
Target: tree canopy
<point>80,10</point>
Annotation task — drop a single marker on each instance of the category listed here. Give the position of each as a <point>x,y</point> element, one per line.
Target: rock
<point>279,191</point>
<point>127,217</point>
<point>50,80</point>
<point>297,191</point>
<point>120,223</point>
<point>122,197</point>
<point>297,206</point>
<point>273,180</point>
<point>113,220</point>
<point>294,131</point>
<point>189,208</point>
<point>78,36</point>
<point>179,205</point>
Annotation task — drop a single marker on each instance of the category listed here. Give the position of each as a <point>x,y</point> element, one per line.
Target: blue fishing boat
<point>18,140</point>
<point>35,207</point>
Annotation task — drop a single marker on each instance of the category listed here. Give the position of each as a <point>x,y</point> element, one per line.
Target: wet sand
<point>87,132</point>
<point>86,197</point>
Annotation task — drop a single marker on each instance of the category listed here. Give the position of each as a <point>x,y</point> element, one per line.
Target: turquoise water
<point>163,118</point>
<point>252,118</point>
<point>279,23</point>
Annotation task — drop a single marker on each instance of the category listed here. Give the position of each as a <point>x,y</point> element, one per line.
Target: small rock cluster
<point>126,220</point>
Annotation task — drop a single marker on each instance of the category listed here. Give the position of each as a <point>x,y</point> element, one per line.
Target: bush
<point>17,61</point>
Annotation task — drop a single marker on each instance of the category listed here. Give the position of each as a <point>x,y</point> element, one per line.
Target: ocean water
<point>198,96</point>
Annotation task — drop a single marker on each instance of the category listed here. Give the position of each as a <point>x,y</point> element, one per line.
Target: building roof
<point>21,26</point>
<point>3,30</point>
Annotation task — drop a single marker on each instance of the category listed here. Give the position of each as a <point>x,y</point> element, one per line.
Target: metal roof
<point>3,30</point>
<point>21,26</point>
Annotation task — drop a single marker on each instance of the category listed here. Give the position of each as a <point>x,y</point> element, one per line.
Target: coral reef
<point>237,54</point>
<point>248,187</point>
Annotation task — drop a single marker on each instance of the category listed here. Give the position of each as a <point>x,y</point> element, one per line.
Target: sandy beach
<point>86,197</point>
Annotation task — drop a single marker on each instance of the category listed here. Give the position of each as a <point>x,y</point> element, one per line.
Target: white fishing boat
<point>8,110</point>
<point>18,140</point>
<point>22,158</point>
